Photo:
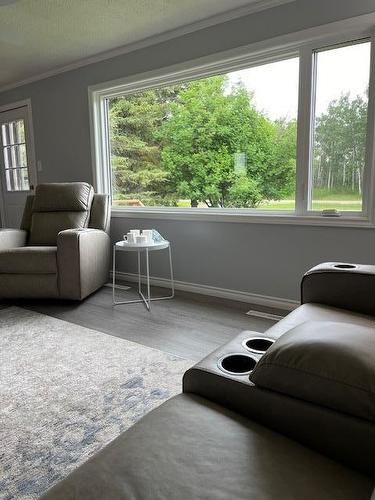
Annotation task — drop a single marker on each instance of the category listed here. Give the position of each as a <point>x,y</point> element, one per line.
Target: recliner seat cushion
<point>57,207</point>
<point>29,260</point>
<point>327,363</point>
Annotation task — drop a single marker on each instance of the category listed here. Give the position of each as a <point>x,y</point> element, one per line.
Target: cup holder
<point>345,266</point>
<point>237,364</point>
<point>258,345</point>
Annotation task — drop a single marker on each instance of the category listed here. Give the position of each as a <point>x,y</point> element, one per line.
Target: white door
<point>17,163</point>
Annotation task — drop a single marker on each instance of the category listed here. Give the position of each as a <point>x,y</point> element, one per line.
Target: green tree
<point>135,151</point>
<point>182,141</point>
<point>340,145</point>
<point>197,142</point>
<point>207,126</point>
<point>244,193</point>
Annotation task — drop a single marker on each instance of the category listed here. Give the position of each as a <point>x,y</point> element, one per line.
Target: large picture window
<point>290,135</point>
<point>226,141</point>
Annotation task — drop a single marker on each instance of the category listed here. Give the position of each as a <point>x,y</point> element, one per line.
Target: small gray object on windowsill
<point>331,213</point>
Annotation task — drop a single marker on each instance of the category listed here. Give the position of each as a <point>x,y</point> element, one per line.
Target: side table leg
<point>148,280</point>
<point>114,274</point>
<point>139,272</point>
<point>171,272</point>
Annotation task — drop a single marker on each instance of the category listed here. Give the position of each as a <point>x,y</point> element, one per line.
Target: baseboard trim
<point>224,293</point>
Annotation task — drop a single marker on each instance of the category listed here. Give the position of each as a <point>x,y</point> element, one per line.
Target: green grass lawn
<point>322,199</point>
<point>340,205</point>
<point>320,204</point>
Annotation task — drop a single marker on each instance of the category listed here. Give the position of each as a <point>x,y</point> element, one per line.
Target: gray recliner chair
<point>62,249</point>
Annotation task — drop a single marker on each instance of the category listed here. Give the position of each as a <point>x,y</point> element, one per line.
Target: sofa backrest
<point>56,207</point>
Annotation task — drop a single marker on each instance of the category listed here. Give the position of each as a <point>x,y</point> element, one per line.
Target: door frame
<point>24,103</point>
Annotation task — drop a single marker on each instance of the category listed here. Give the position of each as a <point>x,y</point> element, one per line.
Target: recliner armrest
<point>342,285</point>
<point>12,238</point>
<point>83,257</point>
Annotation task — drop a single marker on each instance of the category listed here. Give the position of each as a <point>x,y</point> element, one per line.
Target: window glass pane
<point>13,133</point>
<point>24,179</point>
<point>19,131</point>
<point>17,179</point>
<point>21,160</point>
<point>338,159</point>
<point>227,141</point>
<point>5,134</point>
<point>7,157</point>
<point>15,156</point>
<point>23,155</point>
<point>9,180</point>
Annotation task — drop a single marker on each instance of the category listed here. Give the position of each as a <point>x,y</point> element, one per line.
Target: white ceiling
<point>38,36</point>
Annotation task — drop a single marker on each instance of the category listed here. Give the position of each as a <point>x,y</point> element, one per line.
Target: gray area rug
<point>65,392</point>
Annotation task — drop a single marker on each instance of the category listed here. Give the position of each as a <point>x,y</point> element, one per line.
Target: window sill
<point>240,216</point>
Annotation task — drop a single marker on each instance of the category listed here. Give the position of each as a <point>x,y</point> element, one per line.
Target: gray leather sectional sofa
<point>295,421</point>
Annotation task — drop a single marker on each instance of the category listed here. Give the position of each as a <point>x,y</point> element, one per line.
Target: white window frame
<point>305,132</point>
<point>240,59</point>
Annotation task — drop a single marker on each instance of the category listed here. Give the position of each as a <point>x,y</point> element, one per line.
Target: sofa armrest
<point>83,258</point>
<point>340,284</point>
<point>12,238</point>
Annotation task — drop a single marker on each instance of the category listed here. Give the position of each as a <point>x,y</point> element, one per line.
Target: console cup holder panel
<point>345,266</point>
<point>258,345</point>
<point>237,364</point>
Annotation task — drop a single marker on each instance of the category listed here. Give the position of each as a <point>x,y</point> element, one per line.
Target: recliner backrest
<point>56,207</point>
<point>100,217</point>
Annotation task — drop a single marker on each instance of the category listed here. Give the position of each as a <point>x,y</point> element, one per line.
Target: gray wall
<point>264,259</point>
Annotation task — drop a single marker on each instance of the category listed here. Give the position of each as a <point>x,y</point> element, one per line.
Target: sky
<point>275,85</point>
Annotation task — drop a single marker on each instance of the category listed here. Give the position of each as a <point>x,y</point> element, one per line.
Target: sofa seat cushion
<point>326,363</point>
<point>29,260</point>
<point>189,448</point>
<point>319,312</point>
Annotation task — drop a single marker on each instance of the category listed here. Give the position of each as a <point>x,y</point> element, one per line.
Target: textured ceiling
<point>37,36</point>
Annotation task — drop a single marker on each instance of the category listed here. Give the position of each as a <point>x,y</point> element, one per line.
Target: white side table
<point>147,248</point>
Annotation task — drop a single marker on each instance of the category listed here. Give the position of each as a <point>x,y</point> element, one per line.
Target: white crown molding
<point>153,40</point>
<point>213,291</point>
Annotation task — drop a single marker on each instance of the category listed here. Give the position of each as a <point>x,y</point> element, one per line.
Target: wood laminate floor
<point>190,325</point>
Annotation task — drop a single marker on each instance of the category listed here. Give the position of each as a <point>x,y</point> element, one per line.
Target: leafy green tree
<point>182,141</point>
<point>196,142</point>
<point>244,193</point>
<point>207,126</point>
<point>340,145</point>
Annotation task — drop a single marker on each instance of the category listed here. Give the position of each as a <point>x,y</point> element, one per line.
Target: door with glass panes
<point>18,172</point>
